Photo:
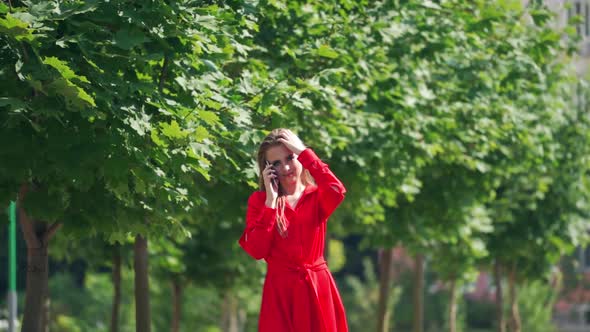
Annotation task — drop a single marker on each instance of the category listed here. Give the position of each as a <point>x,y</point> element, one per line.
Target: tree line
<point>459,128</point>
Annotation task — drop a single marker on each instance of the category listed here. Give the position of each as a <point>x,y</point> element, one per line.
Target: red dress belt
<point>305,291</point>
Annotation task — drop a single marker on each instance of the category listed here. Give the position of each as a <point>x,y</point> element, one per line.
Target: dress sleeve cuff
<point>307,157</point>
<point>268,217</point>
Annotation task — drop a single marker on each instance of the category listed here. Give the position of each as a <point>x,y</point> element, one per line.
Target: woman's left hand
<point>292,142</point>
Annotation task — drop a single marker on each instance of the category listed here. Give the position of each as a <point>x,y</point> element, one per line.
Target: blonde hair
<point>272,140</point>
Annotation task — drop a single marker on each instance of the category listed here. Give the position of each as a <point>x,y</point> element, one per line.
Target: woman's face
<point>285,163</point>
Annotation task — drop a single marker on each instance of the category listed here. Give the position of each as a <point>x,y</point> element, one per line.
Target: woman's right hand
<point>270,183</point>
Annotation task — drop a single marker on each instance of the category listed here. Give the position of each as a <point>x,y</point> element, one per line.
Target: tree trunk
<point>37,235</point>
<point>385,276</point>
<point>242,319</point>
<point>419,293</point>
<point>45,317</point>
<point>116,278</point>
<point>500,323</point>
<point>37,275</point>
<point>514,314</point>
<point>229,319</point>
<point>142,289</point>
<point>177,304</point>
<point>453,306</point>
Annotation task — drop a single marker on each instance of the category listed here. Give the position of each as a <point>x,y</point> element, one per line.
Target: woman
<point>286,225</point>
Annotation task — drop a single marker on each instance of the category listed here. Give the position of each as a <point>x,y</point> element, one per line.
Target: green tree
<point>113,108</point>
<point>470,106</point>
<point>542,212</point>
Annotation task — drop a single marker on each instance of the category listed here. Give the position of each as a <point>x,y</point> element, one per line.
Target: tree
<point>104,104</point>
<point>468,99</point>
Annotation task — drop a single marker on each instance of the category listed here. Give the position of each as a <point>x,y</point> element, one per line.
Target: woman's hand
<point>269,174</point>
<point>292,142</point>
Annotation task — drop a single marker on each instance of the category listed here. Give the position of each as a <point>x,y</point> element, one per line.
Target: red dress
<point>299,293</point>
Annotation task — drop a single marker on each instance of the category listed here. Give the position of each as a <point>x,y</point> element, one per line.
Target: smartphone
<point>273,181</point>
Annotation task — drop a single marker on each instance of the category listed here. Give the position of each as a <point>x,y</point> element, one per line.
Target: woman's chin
<point>289,181</point>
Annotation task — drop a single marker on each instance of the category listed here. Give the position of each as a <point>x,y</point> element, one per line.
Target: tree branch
<point>28,229</point>
<point>51,231</point>
<point>162,79</point>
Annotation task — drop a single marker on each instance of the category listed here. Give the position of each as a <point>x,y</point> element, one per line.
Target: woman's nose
<point>286,168</point>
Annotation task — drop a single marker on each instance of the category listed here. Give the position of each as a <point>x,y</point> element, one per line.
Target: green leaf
<point>129,38</point>
<point>278,4</point>
<point>510,5</point>
<point>75,96</point>
<point>63,68</point>
<point>327,52</point>
<point>68,9</point>
<point>211,103</point>
<point>430,4</point>
<point>156,139</point>
<point>15,103</point>
<point>141,123</point>
<point>210,118</point>
<point>15,28</point>
<point>201,134</point>
<point>173,130</point>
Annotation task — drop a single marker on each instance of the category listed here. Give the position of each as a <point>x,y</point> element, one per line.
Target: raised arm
<point>330,188</point>
<point>260,220</point>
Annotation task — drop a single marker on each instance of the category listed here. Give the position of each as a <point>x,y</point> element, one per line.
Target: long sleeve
<point>330,188</point>
<point>260,221</point>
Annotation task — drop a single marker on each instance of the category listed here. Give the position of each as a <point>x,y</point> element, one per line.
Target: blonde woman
<point>286,226</point>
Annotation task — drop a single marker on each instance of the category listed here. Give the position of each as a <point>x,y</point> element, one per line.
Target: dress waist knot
<point>305,292</point>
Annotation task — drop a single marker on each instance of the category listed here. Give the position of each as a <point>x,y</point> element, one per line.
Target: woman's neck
<point>294,189</point>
